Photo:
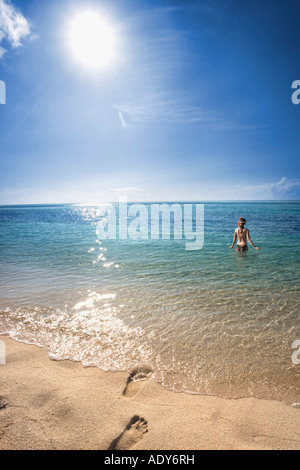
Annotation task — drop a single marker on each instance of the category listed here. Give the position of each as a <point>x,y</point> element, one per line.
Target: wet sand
<point>62,405</point>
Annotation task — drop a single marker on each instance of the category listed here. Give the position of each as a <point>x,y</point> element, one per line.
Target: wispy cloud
<point>122,119</point>
<point>128,189</point>
<point>284,188</point>
<point>14,27</point>
<point>281,187</point>
<point>175,108</point>
<point>70,195</point>
<point>163,107</point>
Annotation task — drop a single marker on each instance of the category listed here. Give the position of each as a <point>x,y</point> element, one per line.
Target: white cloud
<point>280,189</point>
<point>164,107</point>
<point>175,108</point>
<point>122,119</point>
<point>105,195</point>
<point>128,189</point>
<point>14,27</point>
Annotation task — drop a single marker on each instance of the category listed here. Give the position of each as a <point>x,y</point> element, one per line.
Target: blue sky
<point>195,105</point>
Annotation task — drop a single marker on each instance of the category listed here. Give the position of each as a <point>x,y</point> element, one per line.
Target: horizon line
<point>155,202</point>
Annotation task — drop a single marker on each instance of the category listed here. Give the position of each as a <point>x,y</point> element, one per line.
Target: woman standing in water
<point>242,234</point>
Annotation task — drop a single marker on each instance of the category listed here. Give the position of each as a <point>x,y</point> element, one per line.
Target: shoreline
<point>64,405</point>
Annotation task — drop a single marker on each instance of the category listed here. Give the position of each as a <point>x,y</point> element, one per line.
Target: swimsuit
<point>242,248</point>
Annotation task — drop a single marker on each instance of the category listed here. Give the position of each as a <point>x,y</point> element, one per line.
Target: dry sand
<point>62,405</point>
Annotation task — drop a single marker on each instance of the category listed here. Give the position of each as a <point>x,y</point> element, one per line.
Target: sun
<point>92,40</point>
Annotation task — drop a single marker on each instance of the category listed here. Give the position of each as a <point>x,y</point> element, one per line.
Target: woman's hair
<point>242,223</point>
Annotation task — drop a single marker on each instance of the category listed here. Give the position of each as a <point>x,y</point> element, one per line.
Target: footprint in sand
<point>2,403</point>
<point>136,382</point>
<point>132,434</point>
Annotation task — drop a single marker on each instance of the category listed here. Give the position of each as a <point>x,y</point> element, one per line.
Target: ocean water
<point>211,321</point>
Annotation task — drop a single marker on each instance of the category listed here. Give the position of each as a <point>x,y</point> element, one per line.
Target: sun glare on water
<point>92,40</point>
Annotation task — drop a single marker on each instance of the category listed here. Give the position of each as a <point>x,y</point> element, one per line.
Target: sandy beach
<point>62,405</point>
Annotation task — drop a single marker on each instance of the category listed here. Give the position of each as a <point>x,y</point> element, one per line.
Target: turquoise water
<point>212,321</point>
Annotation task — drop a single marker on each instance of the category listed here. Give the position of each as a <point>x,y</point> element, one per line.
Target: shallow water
<point>212,321</point>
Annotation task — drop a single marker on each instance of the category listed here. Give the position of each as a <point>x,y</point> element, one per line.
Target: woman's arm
<point>234,240</point>
<point>250,241</point>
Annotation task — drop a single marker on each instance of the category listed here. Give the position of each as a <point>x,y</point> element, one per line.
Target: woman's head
<point>242,223</point>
